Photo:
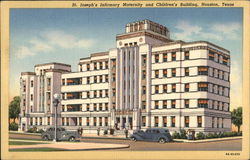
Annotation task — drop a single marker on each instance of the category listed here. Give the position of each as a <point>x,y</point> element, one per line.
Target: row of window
<point>95,66</point>
<point>201,103</point>
<point>201,70</point>
<point>97,121</point>
<point>89,80</point>
<point>95,94</point>
<point>218,58</point>
<point>201,86</point>
<point>79,107</point>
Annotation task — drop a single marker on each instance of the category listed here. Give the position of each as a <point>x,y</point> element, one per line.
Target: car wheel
<point>133,139</point>
<point>46,138</point>
<point>72,139</point>
<point>162,140</point>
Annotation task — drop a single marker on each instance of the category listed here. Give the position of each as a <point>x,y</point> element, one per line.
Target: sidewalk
<point>83,146</point>
<point>208,140</point>
<point>88,135</point>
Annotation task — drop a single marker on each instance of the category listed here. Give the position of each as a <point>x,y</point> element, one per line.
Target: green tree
<point>14,108</point>
<point>237,117</point>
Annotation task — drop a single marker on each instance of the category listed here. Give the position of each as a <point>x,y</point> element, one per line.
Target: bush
<point>183,134</point>
<point>112,131</point>
<point>32,130</point>
<point>105,132</point>
<point>13,126</point>
<point>200,135</point>
<point>40,131</point>
<point>210,135</point>
<point>176,135</point>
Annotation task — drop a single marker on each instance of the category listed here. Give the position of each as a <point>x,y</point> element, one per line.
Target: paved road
<point>230,145</point>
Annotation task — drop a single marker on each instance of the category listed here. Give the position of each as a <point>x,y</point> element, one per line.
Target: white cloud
<point>236,85</point>
<point>47,41</point>
<point>24,51</point>
<point>189,31</point>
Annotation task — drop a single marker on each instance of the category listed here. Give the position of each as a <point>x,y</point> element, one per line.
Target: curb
<point>115,138</point>
<point>206,140</point>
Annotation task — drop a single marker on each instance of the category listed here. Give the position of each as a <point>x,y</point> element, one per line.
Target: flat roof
<point>53,63</point>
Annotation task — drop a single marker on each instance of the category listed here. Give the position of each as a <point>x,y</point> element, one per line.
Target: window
<point>199,121</point>
<point>88,67</point>
<point>143,121</point>
<point>222,122</point>
<point>156,121</point>
<point>48,120</point>
<point>113,91</point>
<point>156,104</point>
<point>173,87</point>
<point>165,73</point>
<point>187,87</point>
<point>80,66</point>
<point>106,93</point>
<point>113,77</point>
<point>100,121</point>
<point>80,121</point>
<point>95,107</point>
<point>186,103</point>
<point>106,106</point>
<point>106,64</point>
<point>88,80</point>
<point>87,121</point>
<point>202,70</point>
<point>95,66</point>
<point>95,79</point>
<point>203,103</point>
<point>173,72</point>
<point>173,103</point>
<point>218,122</point>
<point>186,71</point>
<point>144,57</point>
<point>100,65</point>
<point>106,78</point>
<point>165,57</point>
<point>100,93</point>
<point>144,90</point>
<point>186,55</point>
<point>186,120</point>
<point>212,122</point>
<point>156,73</point>
<point>31,97</point>
<point>172,121</point>
<point>100,106</point>
<point>164,121</point>
<point>211,55</point>
<point>88,95</point>
<point>94,121</point>
<point>143,104</point>
<point>143,74</point>
<point>173,56</point>
<point>100,79</point>
<point>31,83</point>
<point>165,88</point>
<point>165,103</point>
<point>95,94</point>
<point>225,60</point>
<point>202,86</point>
<point>156,89</point>
<point>156,58</point>
<point>63,82</point>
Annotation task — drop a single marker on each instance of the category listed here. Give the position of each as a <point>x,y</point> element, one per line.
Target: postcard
<point>125,79</point>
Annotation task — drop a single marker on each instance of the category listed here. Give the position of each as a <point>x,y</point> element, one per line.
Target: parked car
<point>62,134</point>
<point>160,135</point>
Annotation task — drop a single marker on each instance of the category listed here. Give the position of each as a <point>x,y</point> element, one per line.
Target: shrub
<point>210,135</point>
<point>40,131</point>
<point>176,135</point>
<point>183,134</point>
<point>200,135</point>
<point>112,131</point>
<point>13,126</point>
<point>32,130</point>
<point>105,132</point>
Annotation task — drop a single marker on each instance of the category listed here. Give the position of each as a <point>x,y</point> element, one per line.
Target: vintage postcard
<point>125,79</point>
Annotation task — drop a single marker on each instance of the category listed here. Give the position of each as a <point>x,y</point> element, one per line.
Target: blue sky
<point>66,35</point>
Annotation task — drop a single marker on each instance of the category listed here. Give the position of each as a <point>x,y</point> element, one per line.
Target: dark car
<point>62,134</point>
<point>160,135</point>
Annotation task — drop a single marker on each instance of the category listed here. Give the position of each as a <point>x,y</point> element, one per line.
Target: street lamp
<point>56,101</point>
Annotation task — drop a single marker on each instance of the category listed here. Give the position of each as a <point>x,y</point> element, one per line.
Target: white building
<point>149,80</point>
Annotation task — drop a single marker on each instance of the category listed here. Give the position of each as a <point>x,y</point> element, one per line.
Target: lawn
<point>23,143</point>
<point>36,150</point>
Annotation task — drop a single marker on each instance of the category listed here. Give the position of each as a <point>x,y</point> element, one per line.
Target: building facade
<point>148,80</point>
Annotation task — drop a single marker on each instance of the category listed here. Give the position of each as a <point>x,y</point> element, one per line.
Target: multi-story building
<point>149,80</point>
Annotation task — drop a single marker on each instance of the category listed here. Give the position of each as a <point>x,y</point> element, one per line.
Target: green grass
<point>36,150</point>
<point>23,143</point>
<point>28,139</point>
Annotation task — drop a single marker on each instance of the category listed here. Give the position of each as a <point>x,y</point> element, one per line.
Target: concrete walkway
<point>208,140</point>
<point>71,146</point>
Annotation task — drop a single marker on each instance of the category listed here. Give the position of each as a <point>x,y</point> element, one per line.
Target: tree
<point>14,108</point>
<point>237,117</point>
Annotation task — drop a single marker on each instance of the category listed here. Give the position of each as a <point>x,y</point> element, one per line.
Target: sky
<point>40,36</point>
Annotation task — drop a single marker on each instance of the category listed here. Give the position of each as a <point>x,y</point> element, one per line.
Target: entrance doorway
<point>130,122</point>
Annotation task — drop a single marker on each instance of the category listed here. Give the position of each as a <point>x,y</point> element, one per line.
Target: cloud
<point>47,41</point>
<point>24,51</point>
<point>188,31</point>
<point>236,84</point>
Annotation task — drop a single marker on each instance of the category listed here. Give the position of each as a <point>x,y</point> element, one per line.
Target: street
<point>229,145</point>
